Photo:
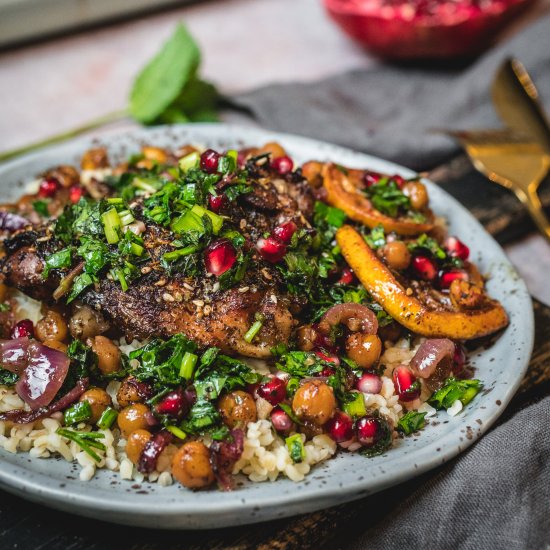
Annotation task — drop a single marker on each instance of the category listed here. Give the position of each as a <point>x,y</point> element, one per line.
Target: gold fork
<point>512,160</point>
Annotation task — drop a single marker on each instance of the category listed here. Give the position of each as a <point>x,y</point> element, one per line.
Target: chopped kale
<point>453,390</point>
<point>7,378</point>
<point>387,197</point>
<point>411,422</point>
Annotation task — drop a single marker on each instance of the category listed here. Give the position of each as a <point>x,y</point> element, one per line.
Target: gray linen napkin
<point>494,496</point>
<point>389,111</point>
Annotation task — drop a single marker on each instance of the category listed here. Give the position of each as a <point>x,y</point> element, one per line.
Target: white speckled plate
<point>55,482</point>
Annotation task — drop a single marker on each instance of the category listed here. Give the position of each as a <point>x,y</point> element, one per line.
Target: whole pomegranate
<point>400,29</point>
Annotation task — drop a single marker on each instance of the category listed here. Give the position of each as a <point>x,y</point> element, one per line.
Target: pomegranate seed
<point>347,276</point>
<point>282,165</point>
<point>281,421</point>
<point>368,430</point>
<point>371,178</point>
<point>457,248</point>
<point>447,277</point>
<point>400,181</point>
<point>285,231</point>
<point>271,249</point>
<point>273,391</point>
<point>405,383</point>
<point>75,193</point>
<point>369,383</point>
<point>328,358</point>
<point>326,372</point>
<point>23,329</point>
<point>209,161</point>
<point>424,268</point>
<point>219,257</point>
<point>172,404</point>
<point>48,188</point>
<point>216,203</point>
<point>340,427</point>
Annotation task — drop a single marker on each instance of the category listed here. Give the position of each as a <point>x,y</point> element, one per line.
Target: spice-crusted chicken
<point>162,300</point>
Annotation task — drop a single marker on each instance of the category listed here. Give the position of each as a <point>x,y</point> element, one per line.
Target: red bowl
<point>395,30</point>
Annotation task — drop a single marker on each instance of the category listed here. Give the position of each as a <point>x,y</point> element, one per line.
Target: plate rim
<point>171,516</point>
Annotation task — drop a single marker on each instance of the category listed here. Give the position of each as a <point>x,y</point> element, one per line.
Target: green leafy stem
<point>167,90</point>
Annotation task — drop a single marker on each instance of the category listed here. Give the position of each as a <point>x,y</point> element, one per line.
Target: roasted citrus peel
<point>408,310</point>
<point>343,192</point>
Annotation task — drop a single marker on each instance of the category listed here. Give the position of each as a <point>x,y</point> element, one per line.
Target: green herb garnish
<point>85,440</point>
<point>453,390</point>
<point>411,422</point>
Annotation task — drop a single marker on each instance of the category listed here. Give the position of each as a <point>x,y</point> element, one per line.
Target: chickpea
<point>305,338</point>
<point>95,159</point>
<point>274,149</point>
<point>312,172</point>
<point>65,175</point>
<point>364,349</point>
<point>56,344</point>
<point>314,402</point>
<point>99,400</point>
<point>397,255</point>
<point>191,466</point>
<point>133,418</point>
<point>86,322</point>
<point>51,327</point>
<point>3,292</point>
<point>108,354</point>
<point>128,393</point>
<point>237,408</point>
<point>155,154</point>
<point>465,295</point>
<point>136,443</point>
<point>417,193</point>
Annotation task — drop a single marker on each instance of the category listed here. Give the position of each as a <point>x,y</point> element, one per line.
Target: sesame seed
<point>188,286</point>
<point>167,297</point>
<point>207,310</point>
<point>244,289</point>
<point>273,298</point>
<point>198,303</point>
<point>146,269</point>
<point>266,274</point>
<point>216,287</point>
<point>242,224</point>
<point>160,282</point>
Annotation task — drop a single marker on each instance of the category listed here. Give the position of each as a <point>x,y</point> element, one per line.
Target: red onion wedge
<point>150,454</point>
<point>430,354</point>
<point>19,416</point>
<point>223,455</point>
<point>13,354</point>
<point>43,376</point>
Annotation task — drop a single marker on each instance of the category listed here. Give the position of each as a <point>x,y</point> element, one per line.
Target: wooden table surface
<point>55,85</point>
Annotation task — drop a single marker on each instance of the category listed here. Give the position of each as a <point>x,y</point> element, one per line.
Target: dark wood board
<point>26,526</point>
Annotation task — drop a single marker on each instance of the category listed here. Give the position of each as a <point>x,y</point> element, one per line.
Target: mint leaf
<point>164,77</point>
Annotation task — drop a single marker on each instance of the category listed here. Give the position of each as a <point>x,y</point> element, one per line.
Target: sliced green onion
<point>189,161</point>
<point>79,412</point>
<point>85,440</point>
<point>111,225</point>
<point>254,329</point>
<point>118,274</point>
<point>126,217</point>
<point>115,200</point>
<point>188,221</point>
<point>356,407</point>
<point>174,255</point>
<point>136,249</point>
<point>144,185</point>
<point>295,447</point>
<point>180,434</point>
<point>188,365</point>
<point>107,418</point>
<point>217,221</point>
